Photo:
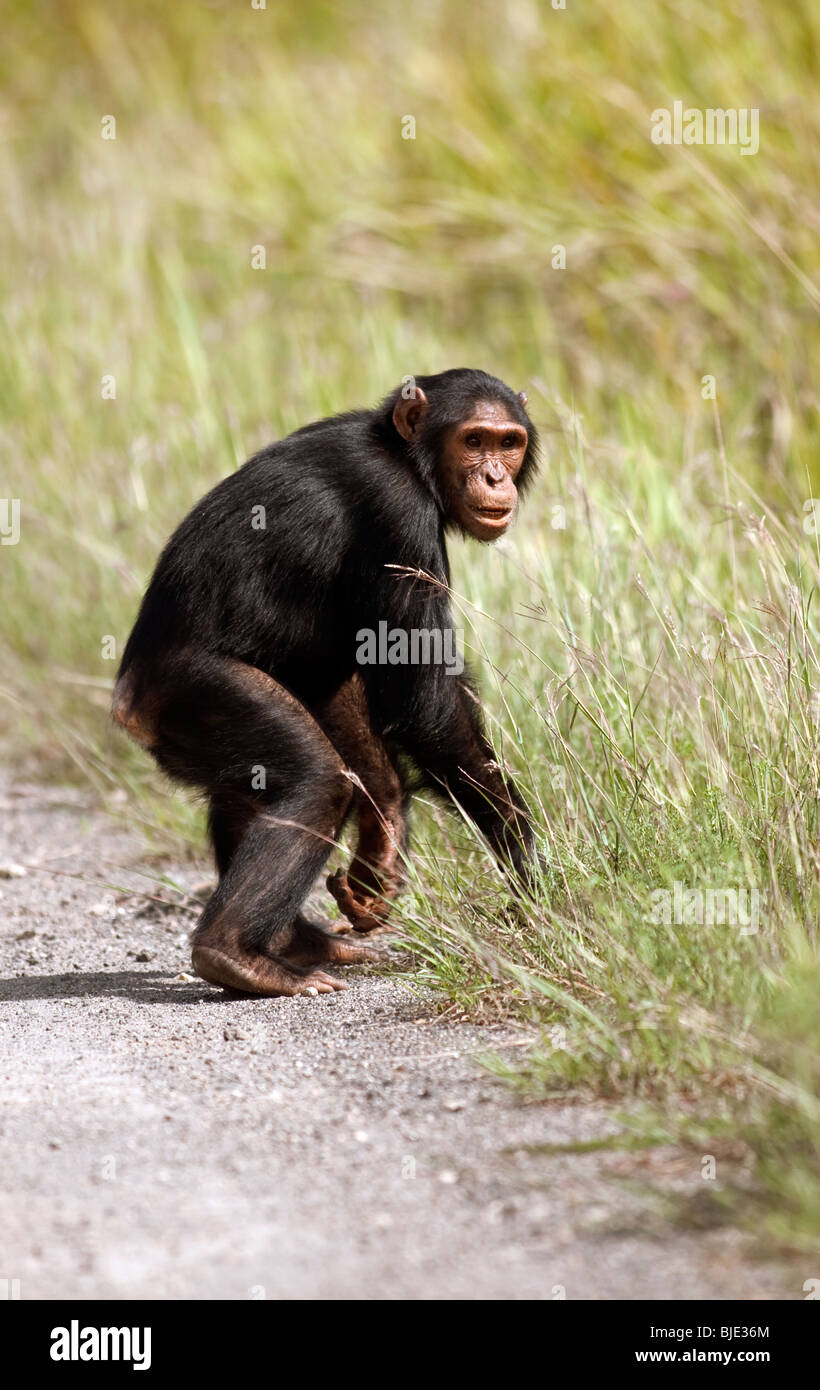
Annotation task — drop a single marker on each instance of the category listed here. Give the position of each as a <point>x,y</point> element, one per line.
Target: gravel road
<point>161,1141</point>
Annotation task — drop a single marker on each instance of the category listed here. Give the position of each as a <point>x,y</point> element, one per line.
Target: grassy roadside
<point>648,636</point>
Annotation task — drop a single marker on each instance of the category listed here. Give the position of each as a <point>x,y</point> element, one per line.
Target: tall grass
<point>647,638</point>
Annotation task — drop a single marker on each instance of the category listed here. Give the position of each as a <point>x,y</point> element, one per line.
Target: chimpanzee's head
<point>472,442</point>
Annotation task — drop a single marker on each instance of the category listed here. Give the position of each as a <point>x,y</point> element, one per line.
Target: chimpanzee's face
<point>481,459</point>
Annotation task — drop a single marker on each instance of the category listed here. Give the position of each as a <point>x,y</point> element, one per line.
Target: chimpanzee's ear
<point>409,415</point>
<point>522,396</point>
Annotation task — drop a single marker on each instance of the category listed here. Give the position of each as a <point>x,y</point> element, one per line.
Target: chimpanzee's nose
<point>493,473</point>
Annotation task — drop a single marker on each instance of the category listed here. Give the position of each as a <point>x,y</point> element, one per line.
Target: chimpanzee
<point>241,674</point>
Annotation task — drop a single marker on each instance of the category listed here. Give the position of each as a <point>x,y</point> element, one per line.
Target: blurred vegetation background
<point>647,637</point>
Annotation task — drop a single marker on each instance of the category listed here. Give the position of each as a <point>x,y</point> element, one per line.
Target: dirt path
<point>159,1141</point>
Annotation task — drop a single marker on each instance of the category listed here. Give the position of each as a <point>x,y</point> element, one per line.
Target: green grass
<point>647,639</point>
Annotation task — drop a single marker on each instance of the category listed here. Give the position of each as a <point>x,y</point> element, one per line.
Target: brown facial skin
<point>480,461</point>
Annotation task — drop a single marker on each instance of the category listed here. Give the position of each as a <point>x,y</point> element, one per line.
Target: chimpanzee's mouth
<point>494,514</point>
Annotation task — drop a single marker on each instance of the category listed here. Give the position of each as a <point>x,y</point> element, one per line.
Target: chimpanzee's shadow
<point>146,986</point>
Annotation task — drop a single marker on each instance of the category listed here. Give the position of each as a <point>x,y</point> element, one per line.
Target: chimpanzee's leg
<point>279,795</point>
<point>309,942</point>
<point>375,874</point>
<point>227,823</point>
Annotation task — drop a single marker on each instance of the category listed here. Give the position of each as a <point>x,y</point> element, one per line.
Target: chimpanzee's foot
<point>228,963</point>
<point>365,914</point>
<point>311,944</point>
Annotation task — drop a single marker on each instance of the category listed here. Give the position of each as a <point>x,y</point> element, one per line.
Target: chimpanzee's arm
<point>451,749</point>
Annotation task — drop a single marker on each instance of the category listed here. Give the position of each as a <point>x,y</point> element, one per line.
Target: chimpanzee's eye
<point>473,441</point>
<point>509,441</point>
